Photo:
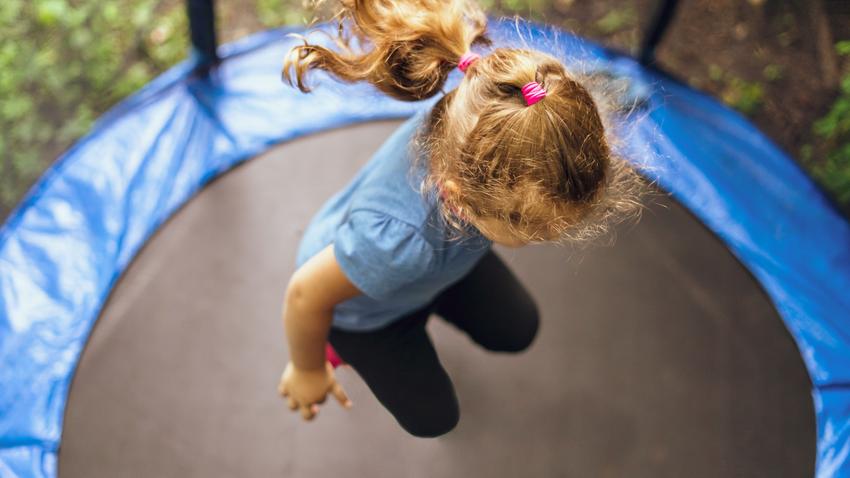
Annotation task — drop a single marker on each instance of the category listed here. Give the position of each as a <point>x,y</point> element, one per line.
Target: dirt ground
<point>750,41</point>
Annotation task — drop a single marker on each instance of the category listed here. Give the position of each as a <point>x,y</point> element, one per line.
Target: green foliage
<point>617,19</point>
<point>833,131</point>
<point>274,13</point>
<point>773,72</point>
<point>166,41</point>
<point>535,9</point>
<point>745,96</point>
<point>67,61</point>
<point>834,173</point>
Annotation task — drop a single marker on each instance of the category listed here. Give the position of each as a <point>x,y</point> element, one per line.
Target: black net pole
<point>202,28</point>
<point>660,21</point>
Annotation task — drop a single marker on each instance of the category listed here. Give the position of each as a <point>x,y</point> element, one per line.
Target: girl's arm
<point>313,291</point>
<point>315,288</point>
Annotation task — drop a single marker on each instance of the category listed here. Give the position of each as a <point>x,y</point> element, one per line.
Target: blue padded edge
<point>64,247</point>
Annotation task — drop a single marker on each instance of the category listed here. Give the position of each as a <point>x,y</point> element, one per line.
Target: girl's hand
<point>306,389</point>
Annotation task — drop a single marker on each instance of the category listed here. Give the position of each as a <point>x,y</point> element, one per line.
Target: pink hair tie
<point>467,59</point>
<point>533,93</point>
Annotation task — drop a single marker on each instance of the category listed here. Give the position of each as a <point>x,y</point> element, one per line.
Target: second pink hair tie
<point>467,59</point>
<point>533,92</point>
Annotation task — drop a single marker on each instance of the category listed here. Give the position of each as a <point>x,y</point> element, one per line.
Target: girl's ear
<point>451,192</point>
<point>451,188</point>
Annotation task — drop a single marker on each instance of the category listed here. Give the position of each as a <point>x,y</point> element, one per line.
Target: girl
<point>517,154</point>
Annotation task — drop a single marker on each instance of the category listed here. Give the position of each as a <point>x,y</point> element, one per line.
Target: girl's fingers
<point>307,412</point>
<point>292,403</point>
<point>340,395</point>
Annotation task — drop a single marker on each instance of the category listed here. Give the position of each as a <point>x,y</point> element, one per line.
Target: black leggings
<point>398,361</point>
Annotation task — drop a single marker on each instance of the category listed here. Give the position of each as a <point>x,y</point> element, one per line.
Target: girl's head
<point>519,173</point>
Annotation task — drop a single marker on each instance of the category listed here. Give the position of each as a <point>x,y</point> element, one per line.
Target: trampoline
<point>712,339</point>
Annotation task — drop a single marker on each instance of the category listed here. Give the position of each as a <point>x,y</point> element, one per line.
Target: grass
<point>69,62</point>
<point>829,162</point>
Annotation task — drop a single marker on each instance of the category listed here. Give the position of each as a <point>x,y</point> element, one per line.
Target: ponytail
<point>405,48</point>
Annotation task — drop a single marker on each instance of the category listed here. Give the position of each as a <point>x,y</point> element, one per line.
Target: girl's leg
<point>492,307</point>
<point>399,364</point>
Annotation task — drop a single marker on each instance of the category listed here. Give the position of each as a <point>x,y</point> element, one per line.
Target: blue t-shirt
<point>389,238</point>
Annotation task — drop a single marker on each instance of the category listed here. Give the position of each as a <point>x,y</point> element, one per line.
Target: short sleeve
<point>381,254</point>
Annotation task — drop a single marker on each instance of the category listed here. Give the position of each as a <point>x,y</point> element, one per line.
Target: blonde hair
<point>547,172</point>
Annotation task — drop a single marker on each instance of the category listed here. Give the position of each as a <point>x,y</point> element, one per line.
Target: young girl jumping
<point>516,154</point>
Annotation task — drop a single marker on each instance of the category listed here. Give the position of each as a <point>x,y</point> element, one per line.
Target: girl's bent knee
<point>521,339</point>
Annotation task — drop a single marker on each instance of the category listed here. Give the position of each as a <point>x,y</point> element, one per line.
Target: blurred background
<point>785,64</point>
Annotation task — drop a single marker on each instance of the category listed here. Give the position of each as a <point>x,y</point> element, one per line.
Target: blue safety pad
<point>78,228</point>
